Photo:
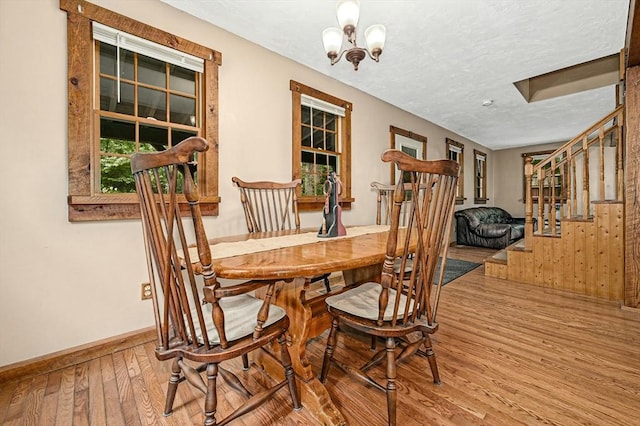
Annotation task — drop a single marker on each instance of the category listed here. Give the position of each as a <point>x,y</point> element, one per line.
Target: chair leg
<point>288,372</point>
<point>327,285</point>
<point>173,386</point>
<point>374,342</point>
<point>328,353</point>
<point>211,398</point>
<point>245,362</point>
<point>391,380</point>
<point>431,357</point>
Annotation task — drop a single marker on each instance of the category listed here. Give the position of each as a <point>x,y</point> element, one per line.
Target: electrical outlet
<point>146,291</point>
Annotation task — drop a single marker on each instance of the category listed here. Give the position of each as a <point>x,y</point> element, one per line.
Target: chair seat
<point>240,317</point>
<point>362,301</point>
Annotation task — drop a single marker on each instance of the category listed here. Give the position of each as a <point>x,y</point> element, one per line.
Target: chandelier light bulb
<point>375,36</point>
<point>332,41</point>
<point>348,12</point>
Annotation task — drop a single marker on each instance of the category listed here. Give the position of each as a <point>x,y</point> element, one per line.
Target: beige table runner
<point>236,248</point>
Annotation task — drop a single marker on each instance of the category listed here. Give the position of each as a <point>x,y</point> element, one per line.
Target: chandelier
<point>348,12</point>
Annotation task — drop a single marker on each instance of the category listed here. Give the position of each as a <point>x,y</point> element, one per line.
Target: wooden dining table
<point>292,258</point>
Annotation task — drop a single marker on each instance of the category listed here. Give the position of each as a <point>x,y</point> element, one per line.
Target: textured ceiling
<point>443,58</point>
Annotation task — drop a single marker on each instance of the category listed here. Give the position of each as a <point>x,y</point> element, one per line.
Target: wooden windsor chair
<point>384,210</point>
<point>272,206</point>
<point>204,324</point>
<point>402,308</point>
<point>384,203</point>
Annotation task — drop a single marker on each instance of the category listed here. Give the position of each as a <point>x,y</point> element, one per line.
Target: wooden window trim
<point>393,131</point>
<point>310,203</point>
<point>476,199</point>
<point>84,202</point>
<point>450,142</point>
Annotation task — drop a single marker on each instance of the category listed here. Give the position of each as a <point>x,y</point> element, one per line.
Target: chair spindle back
<point>384,203</point>
<point>269,206</point>
<point>162,181</point>
<point>423,239</point>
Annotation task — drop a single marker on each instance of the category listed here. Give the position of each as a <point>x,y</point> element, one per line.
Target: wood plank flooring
<point>508,354</point>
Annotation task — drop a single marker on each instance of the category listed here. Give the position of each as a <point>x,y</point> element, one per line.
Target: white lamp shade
<point>375,36</point>
<point>348,12</point>
<point>332,40</point>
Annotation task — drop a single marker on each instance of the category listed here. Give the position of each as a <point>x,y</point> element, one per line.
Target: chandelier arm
<point>335,59</point>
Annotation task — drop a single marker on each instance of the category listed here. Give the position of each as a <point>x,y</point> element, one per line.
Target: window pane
<point>182,80</point>
<point>318,118</point>
<point>118,130</point>
<point>109,96</point>
<point>306,115</point>
<point>107,59</point>
<point>126,64</point>
<point>308,177</point>
<point>307,157</point>
<point>178,136</point>
<point>183,110</point>
<point>331,122</point>
<point>330,142</point>
<point>152,104</point>
<point>118,140</point>
<point>115,175</point>
<point>306,136</point>
<point>321,159</point>
<point>155,136</point>
<point>146,147</point>
<point>151,71</point>
<point>321,177</point>
<point>318,139</point>
<point>117,146</point>
<point>333,163</point>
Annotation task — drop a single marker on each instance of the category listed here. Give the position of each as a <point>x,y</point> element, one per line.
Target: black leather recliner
<point>490,227</point>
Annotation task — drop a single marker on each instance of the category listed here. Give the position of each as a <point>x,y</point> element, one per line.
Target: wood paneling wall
<point>587,257</point>
<point>632,187</point>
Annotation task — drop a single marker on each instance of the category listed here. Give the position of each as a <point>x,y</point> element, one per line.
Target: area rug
<point>454,269</point>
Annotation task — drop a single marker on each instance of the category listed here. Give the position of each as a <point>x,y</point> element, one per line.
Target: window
<point>480,176</point>
<point>408,142</point>
<point>144,90</point>
<point>455,152</point>
<point>321,144</point>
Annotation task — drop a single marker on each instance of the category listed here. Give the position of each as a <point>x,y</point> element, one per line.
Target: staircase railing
<point>588,168</point>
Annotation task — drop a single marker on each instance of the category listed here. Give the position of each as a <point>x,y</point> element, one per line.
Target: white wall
<point>64,284</point>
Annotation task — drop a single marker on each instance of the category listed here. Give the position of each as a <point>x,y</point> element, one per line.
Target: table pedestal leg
<point>309,319</point>
<point>314,395</point>
<point>362,275</point>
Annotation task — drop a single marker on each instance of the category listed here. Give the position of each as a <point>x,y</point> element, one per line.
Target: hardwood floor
<point>508,354</point>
